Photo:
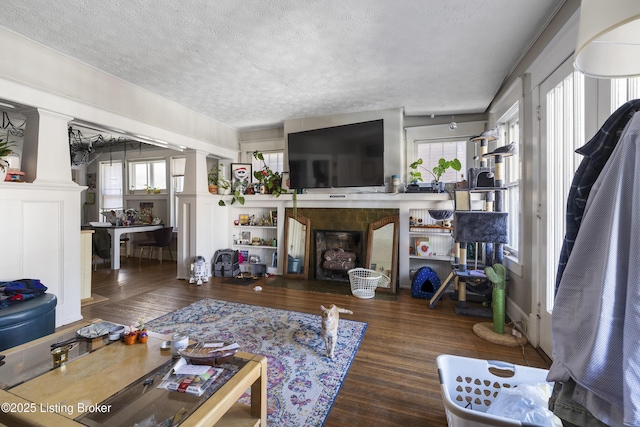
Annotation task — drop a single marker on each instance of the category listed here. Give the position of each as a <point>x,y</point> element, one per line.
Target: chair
<point>161,239</point>
<point>101,242</point>
<point>123,245</point>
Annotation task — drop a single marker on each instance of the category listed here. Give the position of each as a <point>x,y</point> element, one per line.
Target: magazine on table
<point>192,379</point>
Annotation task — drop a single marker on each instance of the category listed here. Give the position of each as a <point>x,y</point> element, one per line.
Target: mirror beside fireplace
<point>297,232</point>
<point>382,249</point>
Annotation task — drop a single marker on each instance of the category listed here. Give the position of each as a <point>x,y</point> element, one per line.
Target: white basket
<point>468,388</point>
<point>364,282</point>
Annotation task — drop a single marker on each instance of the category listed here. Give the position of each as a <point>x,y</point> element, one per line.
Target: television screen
<point>342,156</point>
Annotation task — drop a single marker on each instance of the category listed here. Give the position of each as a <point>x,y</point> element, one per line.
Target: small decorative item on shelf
<point>440,214</point>
<point>14,175</point>
<point>423,248</point>
<point>240,173</point>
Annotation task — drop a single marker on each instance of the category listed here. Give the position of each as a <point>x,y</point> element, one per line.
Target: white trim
<point>509,97</point>
<point>513,265</point>
<point>556,52</point>
<point>516,314</point>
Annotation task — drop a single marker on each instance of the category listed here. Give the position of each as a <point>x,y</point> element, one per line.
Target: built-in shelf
<point>432,258</point>
<point>144,196</point>
<point>255,247</point>
<point>429,233</point>
<point>254,227</point>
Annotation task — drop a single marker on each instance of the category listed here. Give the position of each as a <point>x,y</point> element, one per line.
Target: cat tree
<point>488,227</point>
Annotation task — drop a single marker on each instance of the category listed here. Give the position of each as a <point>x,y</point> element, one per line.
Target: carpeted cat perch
<point>497,332</point>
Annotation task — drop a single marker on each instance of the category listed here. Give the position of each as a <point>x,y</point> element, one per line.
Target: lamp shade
<point>609,38</point>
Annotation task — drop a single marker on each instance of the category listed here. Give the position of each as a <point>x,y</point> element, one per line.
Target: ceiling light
<point>453,125</point>
<point>609,38</point>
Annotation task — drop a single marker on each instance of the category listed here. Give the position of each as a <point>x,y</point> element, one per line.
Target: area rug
<point>302,382</point>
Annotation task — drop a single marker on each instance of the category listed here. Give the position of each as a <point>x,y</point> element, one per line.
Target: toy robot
<point>199,271</point>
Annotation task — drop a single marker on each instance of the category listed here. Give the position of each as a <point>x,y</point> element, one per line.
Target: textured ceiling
<point>254,63</point>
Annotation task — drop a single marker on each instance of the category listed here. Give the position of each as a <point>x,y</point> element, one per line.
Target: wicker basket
<point>364,282</point>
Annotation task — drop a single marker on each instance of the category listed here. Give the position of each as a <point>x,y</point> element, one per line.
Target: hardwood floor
<point>393,380</point>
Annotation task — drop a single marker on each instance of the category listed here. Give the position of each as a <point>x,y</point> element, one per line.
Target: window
<point>111,186</point>
<point>565,134</point>
<point>148,174</point>
<point>509,127</point>
<point>432,151</point>
<point>177,173</point>
<point>623,90</point>
<point>274,160</point>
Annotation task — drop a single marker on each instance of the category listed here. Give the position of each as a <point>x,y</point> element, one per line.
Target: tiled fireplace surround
<point>341,219</point>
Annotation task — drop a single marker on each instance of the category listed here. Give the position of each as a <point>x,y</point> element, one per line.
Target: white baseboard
<point>516,314</point>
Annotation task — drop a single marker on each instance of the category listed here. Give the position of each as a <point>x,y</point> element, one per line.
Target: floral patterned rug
<point>302,382</point>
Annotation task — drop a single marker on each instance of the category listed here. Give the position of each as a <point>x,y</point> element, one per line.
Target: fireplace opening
<point>336,252</point>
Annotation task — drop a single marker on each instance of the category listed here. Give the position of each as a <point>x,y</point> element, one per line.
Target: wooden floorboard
<point>393,380</point>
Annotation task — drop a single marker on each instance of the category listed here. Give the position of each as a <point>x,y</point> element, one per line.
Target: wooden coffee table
<point>86,385</point>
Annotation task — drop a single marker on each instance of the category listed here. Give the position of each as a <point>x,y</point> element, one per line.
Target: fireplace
<point>336,252</point>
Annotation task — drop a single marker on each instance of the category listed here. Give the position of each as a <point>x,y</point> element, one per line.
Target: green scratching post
<point>497,274</point>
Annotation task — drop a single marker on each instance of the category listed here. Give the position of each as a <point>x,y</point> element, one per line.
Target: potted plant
<point>438,170</point>
<point>216,179</point>
<point>143,336</point>
<point>5,150</point>
<point>270,181</point>
<point>131,337</point>
<point>213,177</point>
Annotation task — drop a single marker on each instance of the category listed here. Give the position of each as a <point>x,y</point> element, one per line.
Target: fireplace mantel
<point>404,202</point>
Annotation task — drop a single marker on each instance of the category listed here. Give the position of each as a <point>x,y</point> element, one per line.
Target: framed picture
<point>273,216</point>
<point>245,237</point>
<point>91,198</point>
<point>240,176</point>
<point>243,219</point>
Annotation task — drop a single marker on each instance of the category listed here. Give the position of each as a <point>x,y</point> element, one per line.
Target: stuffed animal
<point>199,270</point>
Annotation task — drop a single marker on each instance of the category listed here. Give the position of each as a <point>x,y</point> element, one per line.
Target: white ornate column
<point>202,224</point>
<point>42,215</point>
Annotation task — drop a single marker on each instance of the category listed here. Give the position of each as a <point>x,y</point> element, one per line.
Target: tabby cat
<point>330,319</point>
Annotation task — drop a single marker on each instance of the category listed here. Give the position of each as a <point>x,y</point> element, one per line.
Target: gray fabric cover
<point>472,226</point>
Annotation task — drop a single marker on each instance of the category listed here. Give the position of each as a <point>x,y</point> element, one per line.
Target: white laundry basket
<point>468,388</point>
<point>364,282</point>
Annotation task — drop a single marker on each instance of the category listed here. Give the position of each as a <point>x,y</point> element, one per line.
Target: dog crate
<point>225,263</point>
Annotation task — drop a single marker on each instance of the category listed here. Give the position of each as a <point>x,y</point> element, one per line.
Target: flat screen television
<point>341,156</point>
